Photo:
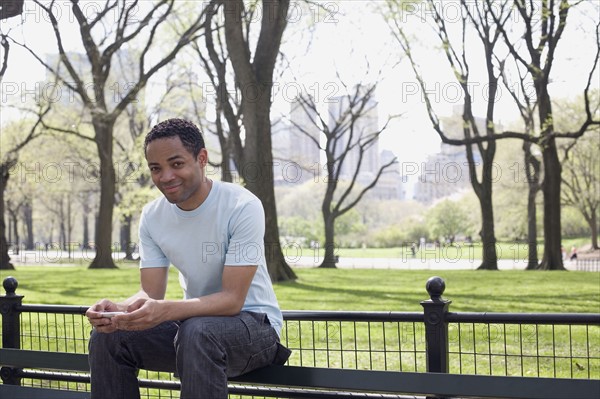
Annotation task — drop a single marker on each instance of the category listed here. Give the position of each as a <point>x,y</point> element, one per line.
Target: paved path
<point>412,263</point>
<point>62,258</point>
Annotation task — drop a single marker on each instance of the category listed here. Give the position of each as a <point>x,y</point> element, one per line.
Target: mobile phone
<point>111,314</point>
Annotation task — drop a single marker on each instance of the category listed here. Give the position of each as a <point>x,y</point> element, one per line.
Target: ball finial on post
<point>435,286</point>
<point>10,285</point>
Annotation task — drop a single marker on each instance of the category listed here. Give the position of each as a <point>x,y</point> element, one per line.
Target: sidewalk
<point>414,263</point>
<point>63,258</point>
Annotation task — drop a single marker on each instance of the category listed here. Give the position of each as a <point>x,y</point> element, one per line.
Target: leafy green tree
<point>448,219</point>
<point>296,226</point>
<point>347,136</point>
<point>253,57</point>
<point>11,145</point>
<point>391,236</point>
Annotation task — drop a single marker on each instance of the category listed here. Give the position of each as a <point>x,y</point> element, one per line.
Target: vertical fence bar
<point>11,326</point>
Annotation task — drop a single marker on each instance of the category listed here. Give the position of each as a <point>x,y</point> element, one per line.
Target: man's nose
<point>166,175</point>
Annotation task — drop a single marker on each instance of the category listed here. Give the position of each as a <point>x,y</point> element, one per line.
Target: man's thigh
<point>248,340</point>
<point>152,349</point>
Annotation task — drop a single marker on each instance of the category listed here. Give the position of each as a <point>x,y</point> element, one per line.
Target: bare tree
<point>489,35</point>
<point>8,9</point>
<point>581,180</point>
<point>527,105</point>
<point>253,67</point>
<point>348,140</point>
<point>217,67</point>
<point>117,25</point>
<point>542,25</point>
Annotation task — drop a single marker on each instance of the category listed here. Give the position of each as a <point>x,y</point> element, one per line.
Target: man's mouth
<point>171,189</point>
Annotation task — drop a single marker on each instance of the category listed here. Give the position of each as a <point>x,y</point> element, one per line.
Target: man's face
<point>177,173</point>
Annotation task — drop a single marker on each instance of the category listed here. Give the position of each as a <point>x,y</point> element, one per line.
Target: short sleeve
<point>150,253</point>
<point>247,231</point>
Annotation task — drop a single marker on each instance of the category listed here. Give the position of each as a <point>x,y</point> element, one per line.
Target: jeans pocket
<point>257,350</point>
<point>261,359</point>
<point>258,326</point>
<point>282,354</point>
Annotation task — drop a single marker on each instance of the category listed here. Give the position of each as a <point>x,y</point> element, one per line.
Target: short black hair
<point>188,133</point>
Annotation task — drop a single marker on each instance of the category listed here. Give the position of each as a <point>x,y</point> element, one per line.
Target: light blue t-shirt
<point>227,229</point>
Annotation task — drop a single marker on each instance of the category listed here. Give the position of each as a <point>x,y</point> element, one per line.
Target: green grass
<point>343,289</point>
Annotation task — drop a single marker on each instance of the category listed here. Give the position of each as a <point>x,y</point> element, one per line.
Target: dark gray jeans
<point>204,351</point>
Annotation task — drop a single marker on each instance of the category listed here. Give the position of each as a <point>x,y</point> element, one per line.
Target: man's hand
<point>100,323</point>
<point>142,314</point>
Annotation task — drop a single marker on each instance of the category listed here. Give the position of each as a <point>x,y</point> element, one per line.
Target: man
<point>229,321</point>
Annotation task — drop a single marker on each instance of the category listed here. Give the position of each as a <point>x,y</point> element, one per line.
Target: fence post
<point>11,326</point>
<point>436,326</point>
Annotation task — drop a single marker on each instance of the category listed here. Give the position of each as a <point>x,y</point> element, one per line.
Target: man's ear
<point>203,157</point>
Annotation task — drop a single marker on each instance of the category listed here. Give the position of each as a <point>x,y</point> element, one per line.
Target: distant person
<point>229,321</point>
<point>573,255</point>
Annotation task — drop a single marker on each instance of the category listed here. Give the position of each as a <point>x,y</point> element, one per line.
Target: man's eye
<point>177,164</point>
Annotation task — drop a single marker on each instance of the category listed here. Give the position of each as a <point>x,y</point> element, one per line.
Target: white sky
<point>351,38</point>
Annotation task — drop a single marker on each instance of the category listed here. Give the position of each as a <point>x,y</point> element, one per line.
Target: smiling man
<point>229,320</point>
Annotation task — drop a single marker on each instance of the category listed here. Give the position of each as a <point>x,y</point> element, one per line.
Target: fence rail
<point>587,264</point>
<point>554,345</point>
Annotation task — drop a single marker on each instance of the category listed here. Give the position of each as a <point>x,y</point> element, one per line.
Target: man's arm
<point>147,312</point>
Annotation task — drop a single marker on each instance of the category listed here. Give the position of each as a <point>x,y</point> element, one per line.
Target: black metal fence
<point>435,340</point>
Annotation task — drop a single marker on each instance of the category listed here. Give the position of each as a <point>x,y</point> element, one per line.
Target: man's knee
<point>199,330</point>
<point>101,341</point>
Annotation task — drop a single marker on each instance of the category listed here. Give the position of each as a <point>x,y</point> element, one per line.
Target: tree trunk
<point>488,237</point>
<point>103,240</point>
<point>594,228</point>
<point>125,237</point>
<point>532,257</point>
<point>62,226</point>
<point>255,80</point>
<point>329,257</point>
<point>532,167</point>
<point>257,172</point>
<point>86,231</point>
<point>5,263</point>
<point>552,259</point>
<point>483,190</point>
<point>28,218</point>
<point>15,228</point>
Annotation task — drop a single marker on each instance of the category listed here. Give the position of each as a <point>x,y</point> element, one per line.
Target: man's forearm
<point>218,304</point>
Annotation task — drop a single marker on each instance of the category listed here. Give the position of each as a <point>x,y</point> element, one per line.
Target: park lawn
<point>342,289</point>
